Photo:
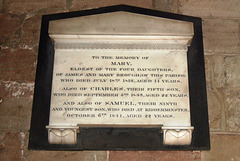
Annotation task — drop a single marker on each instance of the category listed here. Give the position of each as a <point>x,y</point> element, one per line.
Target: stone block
<point>65,155</point>
<point>10,89</point>
<point>34,6</point>
<point>31,32</point>
<point>10,30</point>
<point>214,110</point>
<point>232,110</point>
<point>166,5</point>
<point>226,71</point>
<point>221,36</point>
<point>219,78</point>
<point>1,2</point>
<point>89,4</point>
<point>17,65</point>
<point>154,156</point>
<point>10,146</point>
<point>223,148</point>
<point>208,65</point>
<point>210,8</point>
<point>15,114</point>
<point>232,72</point>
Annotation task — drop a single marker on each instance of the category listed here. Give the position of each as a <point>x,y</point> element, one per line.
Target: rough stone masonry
<point>20,22</point>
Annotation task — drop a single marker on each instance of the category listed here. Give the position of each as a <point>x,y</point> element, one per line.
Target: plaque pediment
<point>121,23</point>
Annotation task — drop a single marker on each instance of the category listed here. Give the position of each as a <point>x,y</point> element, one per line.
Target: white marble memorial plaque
<point>113,74</point>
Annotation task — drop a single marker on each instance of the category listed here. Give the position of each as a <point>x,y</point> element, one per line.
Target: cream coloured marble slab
<point>120,88</point>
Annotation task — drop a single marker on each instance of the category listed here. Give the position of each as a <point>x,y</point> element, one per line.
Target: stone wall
<point>19,36</point>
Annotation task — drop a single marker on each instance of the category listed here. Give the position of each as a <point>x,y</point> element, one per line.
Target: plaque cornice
<point>65,45</point>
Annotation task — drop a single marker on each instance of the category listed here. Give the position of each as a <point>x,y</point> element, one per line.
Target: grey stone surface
<point>214,109</point>
<point>232,71</point>
<point>232,109</point>
<point>89,4</point>
<point>218,76</point>
<point>166,5</point>
<point>223,148</point>
<point>220,36</point>
<point>210,8</point>
<point>208,70</point>
<point>226,71</point>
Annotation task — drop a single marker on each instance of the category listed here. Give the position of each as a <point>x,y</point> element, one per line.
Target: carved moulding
<point>62,134</point>
<point>177,135</point>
